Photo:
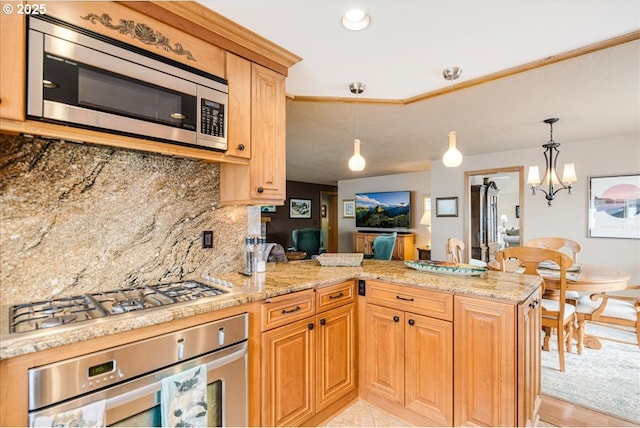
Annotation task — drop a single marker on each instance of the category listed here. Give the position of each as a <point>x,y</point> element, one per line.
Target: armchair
<point>308,240</point>
<point>383,246</point>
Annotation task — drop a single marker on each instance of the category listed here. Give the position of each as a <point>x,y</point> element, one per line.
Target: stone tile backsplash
<point>77,218</point>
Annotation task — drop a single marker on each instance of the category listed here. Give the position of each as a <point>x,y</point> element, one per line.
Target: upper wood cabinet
<point>12,66</point>
<point>239,108</point>
<point>263,181</point>
<point>254,67</point>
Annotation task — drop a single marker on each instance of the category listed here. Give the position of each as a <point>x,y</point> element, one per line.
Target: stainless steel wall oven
<point>129,377</point>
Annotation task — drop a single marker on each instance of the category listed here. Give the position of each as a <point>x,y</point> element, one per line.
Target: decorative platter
<point>446,268</point>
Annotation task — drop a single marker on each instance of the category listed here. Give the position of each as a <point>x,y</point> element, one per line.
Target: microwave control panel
<point>211,118</point>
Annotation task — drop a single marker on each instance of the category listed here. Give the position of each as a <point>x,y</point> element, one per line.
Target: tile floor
<point>363,414</point>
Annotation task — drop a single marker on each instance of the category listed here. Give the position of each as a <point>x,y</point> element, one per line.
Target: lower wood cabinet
<point>309,361</point>
<point>497,362</point>
<point>407,365</point>
<point>438,359</point>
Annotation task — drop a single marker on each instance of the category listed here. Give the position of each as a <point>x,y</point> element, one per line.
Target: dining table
<point>585,278</point>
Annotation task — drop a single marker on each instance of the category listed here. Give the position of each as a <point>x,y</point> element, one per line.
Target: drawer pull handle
<point>411,322</point>
<point>290,311</point>
<point>396,318</point>
<point>533,304</point>
<point>310,325</point>
<point>410,299</point>
<point>323,321</point>
<point>338,296</point>
<point>241,147</point>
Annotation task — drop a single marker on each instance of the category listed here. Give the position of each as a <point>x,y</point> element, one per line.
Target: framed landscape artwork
<point>614,207</point>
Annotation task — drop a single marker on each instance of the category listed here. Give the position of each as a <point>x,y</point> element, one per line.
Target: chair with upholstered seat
<point>383,246</point>
<point>308,240</point>
<point>455,247</point>
<point>618,309</point>
<point>563,245</point>
<point>556,314</point>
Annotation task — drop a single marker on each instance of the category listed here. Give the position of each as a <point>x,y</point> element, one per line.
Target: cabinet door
<point>429,368</point>
<point>529,364</point>
<point>336,354</point>
<point>239,108</point>
<point>384,353</point>
<point>12,66</point>
<point>288,374</point>
<point>362,243</point>
<point>484,362</point>
<point>268,135</point>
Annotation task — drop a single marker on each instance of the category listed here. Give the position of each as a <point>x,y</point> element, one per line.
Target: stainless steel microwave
<point>86,80</point>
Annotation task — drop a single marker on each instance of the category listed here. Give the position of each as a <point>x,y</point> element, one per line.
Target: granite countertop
<point>279,279</point>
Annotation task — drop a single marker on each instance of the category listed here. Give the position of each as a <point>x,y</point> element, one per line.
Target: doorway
<point>329,220</point>
<point>500,224</point>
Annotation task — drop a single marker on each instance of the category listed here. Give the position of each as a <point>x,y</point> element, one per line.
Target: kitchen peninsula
<point>450,312</point>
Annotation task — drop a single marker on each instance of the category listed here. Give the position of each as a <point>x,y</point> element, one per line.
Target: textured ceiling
<point>402,55</point>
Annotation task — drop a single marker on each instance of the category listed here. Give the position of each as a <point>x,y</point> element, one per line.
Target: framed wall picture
<point>348,208</point>
<point>299,208</point>
<point>447,207</point>
<point>614,207</point>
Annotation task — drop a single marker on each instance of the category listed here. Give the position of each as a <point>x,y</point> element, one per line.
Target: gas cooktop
<point>66,310</point>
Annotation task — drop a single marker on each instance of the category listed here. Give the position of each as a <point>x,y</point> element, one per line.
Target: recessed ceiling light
<point>356,20</point>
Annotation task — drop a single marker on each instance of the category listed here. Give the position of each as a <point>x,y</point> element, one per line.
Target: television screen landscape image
<point>383,210</point>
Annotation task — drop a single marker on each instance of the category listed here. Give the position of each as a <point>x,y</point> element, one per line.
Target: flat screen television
<point>384,210</point>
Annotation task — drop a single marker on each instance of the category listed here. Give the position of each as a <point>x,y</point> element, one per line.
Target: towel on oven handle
<point>90,415</point>
<point>184,398</point>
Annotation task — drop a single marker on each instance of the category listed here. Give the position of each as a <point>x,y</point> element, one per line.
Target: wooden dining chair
<point>455,247</point>
<point>564,245</point>
<point>556,314</point>
<point>617,309</point>
<point>558,244</point>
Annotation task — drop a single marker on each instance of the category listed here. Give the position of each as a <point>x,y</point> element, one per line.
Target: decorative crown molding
<point>142,32</point>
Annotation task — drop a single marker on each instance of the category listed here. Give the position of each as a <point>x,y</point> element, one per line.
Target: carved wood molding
<point>139,31</point>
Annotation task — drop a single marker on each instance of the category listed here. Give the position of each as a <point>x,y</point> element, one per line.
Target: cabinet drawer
<point>335,295</point>
<point>286,309</point>
<point>424,302</point>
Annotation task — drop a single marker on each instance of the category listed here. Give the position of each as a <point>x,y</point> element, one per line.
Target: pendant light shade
<point>452,157</point>
<point>357,162</point>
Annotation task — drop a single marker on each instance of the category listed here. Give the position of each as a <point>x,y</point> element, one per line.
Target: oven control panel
<point>111,366</point>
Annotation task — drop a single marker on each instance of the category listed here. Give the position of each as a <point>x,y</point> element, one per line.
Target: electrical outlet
<point>207,239</point>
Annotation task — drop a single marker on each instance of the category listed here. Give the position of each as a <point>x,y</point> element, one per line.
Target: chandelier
<point>550,181</point>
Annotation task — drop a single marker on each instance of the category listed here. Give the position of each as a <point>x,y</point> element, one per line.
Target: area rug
<point>606,380</point>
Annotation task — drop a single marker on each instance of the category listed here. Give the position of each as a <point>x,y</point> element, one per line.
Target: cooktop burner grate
<point>52,313</point>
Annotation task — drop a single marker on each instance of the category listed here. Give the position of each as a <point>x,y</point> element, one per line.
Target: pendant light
<point>551,180</point>
<point>452,157</point>
<point>357,162</point>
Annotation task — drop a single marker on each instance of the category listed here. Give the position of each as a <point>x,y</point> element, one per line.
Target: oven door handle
<point>156,387</point>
